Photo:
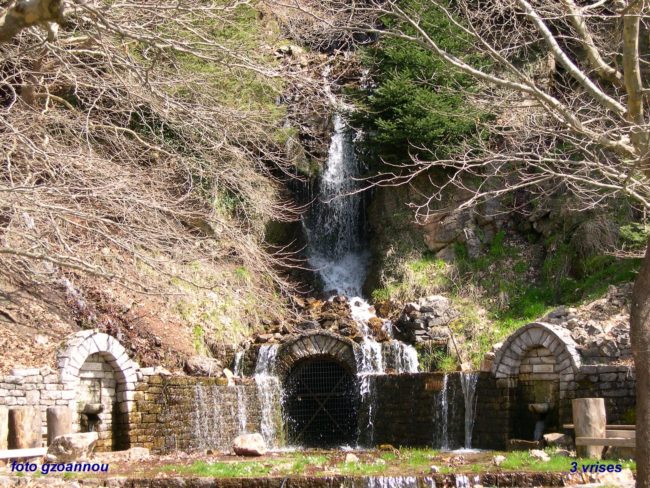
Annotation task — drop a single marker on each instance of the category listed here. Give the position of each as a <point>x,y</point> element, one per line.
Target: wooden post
<point>59,422</point>
<point>590,420</point>
<point>24,427</point>
<point>4,427</point>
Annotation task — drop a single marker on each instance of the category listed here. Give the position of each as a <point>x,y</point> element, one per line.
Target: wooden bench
<point>606,441</point>
<point>608,427</point>
<point>23,453</point>
<point>615,437</point>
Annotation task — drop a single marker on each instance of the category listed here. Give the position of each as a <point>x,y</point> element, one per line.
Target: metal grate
<point>320,404</point>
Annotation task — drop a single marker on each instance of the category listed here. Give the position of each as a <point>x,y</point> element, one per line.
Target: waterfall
<point>333,225</point>
<point>335,232</point>
<point>238,366</point>
<point>398,482</point>
<point>441,415</point>
<point>468,383</point>
<point>242,409</point>
<point>269,392</point>
<point>206,417</point>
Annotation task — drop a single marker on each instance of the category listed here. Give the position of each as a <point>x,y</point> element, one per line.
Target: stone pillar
<point>590,420</point>
<point>24,427</point>
<point>4,427</point>
<point>59,422</point>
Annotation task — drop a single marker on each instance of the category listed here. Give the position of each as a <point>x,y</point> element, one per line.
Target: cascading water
<point>242,409</point>
<point>269,394</point>
<point>389,482</point>
<point>333,229</point>
<point>336,249</point>
<point>468,383</point>
<point>206,417</point>
<point>238,367</point>
<point>441,415</point>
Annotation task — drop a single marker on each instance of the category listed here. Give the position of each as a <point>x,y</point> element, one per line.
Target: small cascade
<point>269,390</point>
<point>468,383</point>
<point>403,358</point>
<point>462,481</point>
<point>207,417</point>
<point>389,482</point>
<point>441,415</point>
<point>242,409</point>
<point>333,225</point>
<point>238,366</point>
<point>398,482</point>
<point>336,248</point>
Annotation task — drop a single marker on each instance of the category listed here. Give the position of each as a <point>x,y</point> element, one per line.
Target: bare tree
<point>582,125</point>
<point>124,158</point>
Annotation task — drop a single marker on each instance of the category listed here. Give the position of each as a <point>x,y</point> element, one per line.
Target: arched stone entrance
<point>320,394</point>
<point>321,403</point>
<point>539,361</point>
<point>98,369</point>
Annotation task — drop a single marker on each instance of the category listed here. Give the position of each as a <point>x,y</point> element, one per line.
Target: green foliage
<point>222,469</point>
<point>197,337</point>
<point>635,235</point>
<point>416,103</point>
<point>523,461</point>
<point>436,359</point>
<point>512,300</point>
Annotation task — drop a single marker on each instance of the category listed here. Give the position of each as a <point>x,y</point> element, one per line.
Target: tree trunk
<point>640,332</point>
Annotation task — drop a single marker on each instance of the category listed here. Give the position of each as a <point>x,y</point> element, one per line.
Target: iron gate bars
<point>321,404</point>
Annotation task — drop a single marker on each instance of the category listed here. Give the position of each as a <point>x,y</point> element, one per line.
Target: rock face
<point>426,320</point>
<point>72,447</point>
<point>203,366</point>
<point>601,328</point>
<point>249,445</point>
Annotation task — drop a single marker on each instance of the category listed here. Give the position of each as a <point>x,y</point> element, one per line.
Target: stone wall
<point>495,406</point>
<point>186,413</point>
<point>500,403</point>
<point>94,369</point>
<point>34,387</point>
<point>616,384</point>
<point>407,409</point>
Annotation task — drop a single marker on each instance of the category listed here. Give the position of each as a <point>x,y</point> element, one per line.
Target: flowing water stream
<point>468,383</point>
<point>269,393</point>
<point>337,249</point>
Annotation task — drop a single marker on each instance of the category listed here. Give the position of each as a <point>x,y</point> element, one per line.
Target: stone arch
<point>94,360</point>
<point>553,338</point>
<point>313,345</point>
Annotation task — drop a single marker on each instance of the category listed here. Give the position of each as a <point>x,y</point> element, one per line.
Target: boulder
<point>72,447</point>
<point>249,445</point>
<point>498,460</point>
<point>561,441</point>
<point>203,366</point>
<point>539,454</point>
<point>351,458</point>
<point>426,320</point>
<point>438,234</point>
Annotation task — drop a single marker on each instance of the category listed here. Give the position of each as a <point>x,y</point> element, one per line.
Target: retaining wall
<point>187,413</point>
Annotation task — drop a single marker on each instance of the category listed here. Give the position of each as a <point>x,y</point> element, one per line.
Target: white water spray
<point>242,409</point>
<point>468,383</point>
<point>442,414</point>
<point>269,393</point>
<point>238,367</point>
